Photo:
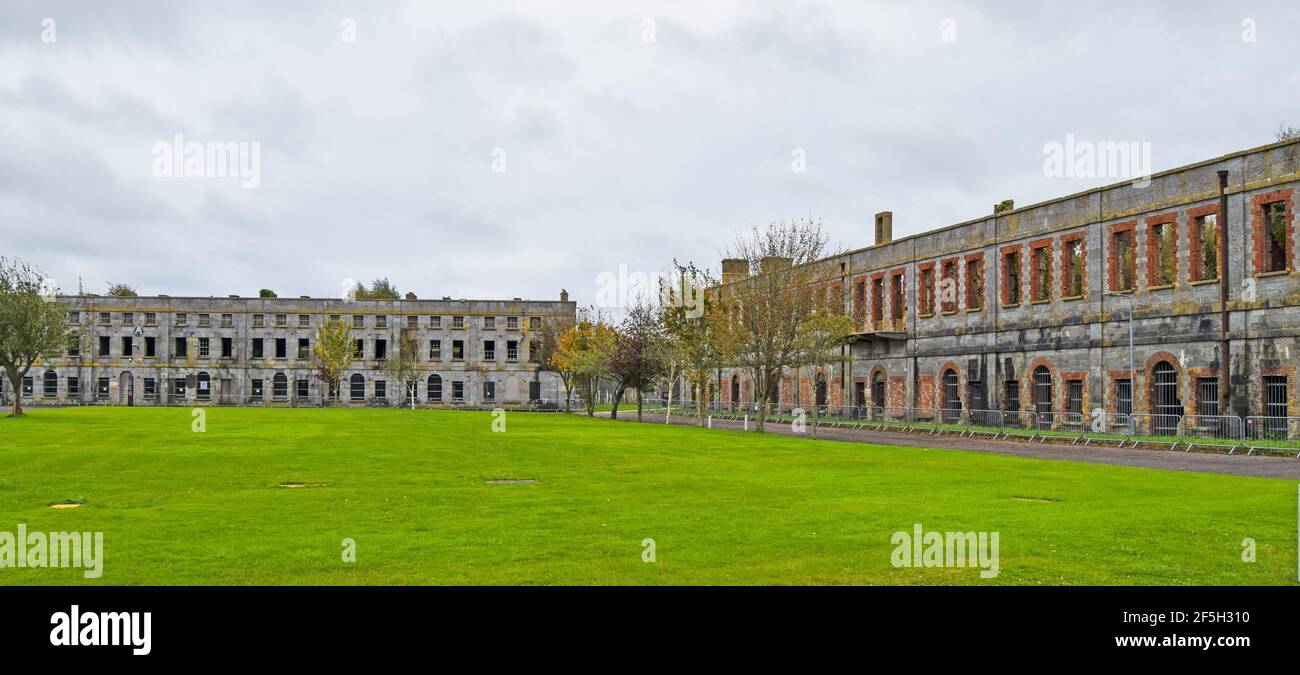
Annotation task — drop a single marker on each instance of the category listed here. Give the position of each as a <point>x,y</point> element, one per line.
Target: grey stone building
<point>257,351</point>
<point>1028,308</point>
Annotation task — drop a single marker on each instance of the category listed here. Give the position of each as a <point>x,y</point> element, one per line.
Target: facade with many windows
<point>1027,309</point>
<point>250,351</point>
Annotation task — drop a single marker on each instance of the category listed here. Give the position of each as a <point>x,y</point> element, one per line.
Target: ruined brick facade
<point>1083,336</point>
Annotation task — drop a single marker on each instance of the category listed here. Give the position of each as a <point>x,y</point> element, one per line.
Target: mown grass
<point>724,507</point>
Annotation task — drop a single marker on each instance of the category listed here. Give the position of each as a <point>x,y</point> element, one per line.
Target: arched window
<point>1043,392</point>
<point>358,385</point>
<point>435,388</point>
<point>51,384</point>
<point>280,386</point>
<point>821,390</point>
<point>951,401</point>
<point>203,385</point>
<point>1164,397</point>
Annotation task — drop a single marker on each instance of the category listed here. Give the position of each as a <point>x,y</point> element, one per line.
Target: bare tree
<point>696,331</point>
<point>403,364</point>
<point>32,325</point>
<point>773,299</point>
<point>820,341</point>
<point>1286,133</point>
<point>635,363</point>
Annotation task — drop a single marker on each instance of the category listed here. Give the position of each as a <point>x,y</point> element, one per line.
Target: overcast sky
<point>498,150</point>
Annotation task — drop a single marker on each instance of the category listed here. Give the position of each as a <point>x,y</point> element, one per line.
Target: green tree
<point>403,362</point>
<point>267,293</point>
<point>586,351</point>
<point>121,290</point>
<point>331,355</point>
<point>380,289</point>
<point>32,324</point>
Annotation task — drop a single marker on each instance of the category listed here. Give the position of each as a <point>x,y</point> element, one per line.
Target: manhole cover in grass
<point>68,504</point>
<point>1036,500</point>
<point>513,481</point>
<point>301,484</point>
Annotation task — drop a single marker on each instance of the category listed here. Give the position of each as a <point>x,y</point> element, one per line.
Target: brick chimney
<point>734,269</point>
<point>884,227</point>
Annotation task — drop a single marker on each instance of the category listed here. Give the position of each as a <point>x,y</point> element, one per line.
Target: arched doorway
<point>951,400</point>
<point>820,389</point>
<point>878,389</point>
<point>434,394</point>
<point>1165,404</point>
<point>126,389</point>
<point>735,390</point>
<point>1043,395</point>
<point>357,386</point>
<point>203,386</point>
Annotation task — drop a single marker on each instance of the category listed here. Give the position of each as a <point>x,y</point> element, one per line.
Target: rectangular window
<point>74,386</point>
<point>457,322</point>
<point>304,321</point>
<point>877,300</point>
<point>358,321</point>
<point>281,348</point>
<point>534,349</point>
<point>896,305</point>
<point>1207,396</point>
<point>204,321</point>
<point>534,390</point>
<point>128,347</point>
<point>50,387</point>
<point>381,389</point>
<point>489,323</point>
<point>150,319</point>
<point>74,317</point>
<point>926,301</point>
<point>359,349</point>
<point>512,323</point>
<point>101,388</point>
<point>178,386</point>
<point>150,347</point>
<point>227,348</point>
<point>1275,405</point>
<point>181,348</point>
<point>259,321</point>
<point>304,348</point>
<point>1162,256</point>
<point>227,320</point>
<point>281,320</point>
<point>257,348</point>
<point>435,350</point>
<point>1125,260</point>
<point>381,349</point>
<point>1012,403</point>
<point>1074,264</point>
<point>280,387</point>
<point>128,318</point>
<point>534,323</point>
<point>489,391</point>
<point>435,322</point>
<point>975,283</point>
<point>1277,245</point>
<point>457,350</point>
<point>489,350</point>
<point>103,345</point>
<point>27,385</point>
<point>412,322</point>
<point>1204,237</point>
<point>948,287</point>
<point>512,350</point>
<point>182,319</point>
<point>203,347</point>
<point>1124,396</point>
<point>457,390</point>
<point>150,388</point>
<point>860,302</point>
<point>105,318</point>
<point>1042,286</point>
<point>1011,278</point>
<point>73,348</point>
<point>257,390</point>
<point>1074,396</point>
<point>381,321</point>
<point>302,389</point>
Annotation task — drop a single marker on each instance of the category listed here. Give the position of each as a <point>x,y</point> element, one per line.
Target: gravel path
<point>1150,456</point>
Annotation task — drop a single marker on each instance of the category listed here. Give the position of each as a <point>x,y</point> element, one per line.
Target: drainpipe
<point>1224,397</point>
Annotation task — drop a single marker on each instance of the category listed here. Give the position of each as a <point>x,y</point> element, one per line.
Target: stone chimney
<point>564,295</point>
<point>734,269</point>
<point>884,227</point>
<point>410,295</point>
<point>772,263</point>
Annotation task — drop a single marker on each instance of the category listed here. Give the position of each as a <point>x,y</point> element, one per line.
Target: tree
<point>635,362</point>
<point>820,341</point>
<point>121,290</point>
<point>403,362</point>
<point>767,305</point>
<point>547,347</point>
<point>696,340</point>
<point>32,324</point>
<point>267,293</point>
<point>332,353</point>
<point>380,289</point>
<point>1286,133</point>
<point>586,350</point>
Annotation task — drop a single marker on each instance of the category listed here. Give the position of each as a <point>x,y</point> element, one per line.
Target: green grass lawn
<point>724,507</point>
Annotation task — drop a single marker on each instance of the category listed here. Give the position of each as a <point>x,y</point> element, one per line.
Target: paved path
<point>1239,465</point>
